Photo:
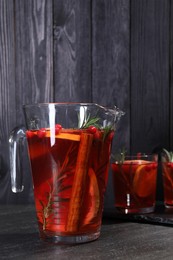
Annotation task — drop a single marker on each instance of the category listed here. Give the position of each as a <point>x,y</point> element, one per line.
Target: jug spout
<point>116,113</point>
<point>110,116</point>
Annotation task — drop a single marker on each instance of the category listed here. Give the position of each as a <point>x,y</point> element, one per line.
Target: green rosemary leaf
<point>107,130</point>
<point>120,157</point>
<point>90,122</point>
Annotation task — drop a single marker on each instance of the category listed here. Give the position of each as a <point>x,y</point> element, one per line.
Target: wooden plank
<point>149,75</point>
<point>7,75</point>
<point>110,68</point>
<point>7,90</point>
<point>171,77</point>
<point>72,50</point>
<point>34,51</point>
<point>34,63</point>
<point>27,26</point>
<point>83,29</point>
<point>110,61</point>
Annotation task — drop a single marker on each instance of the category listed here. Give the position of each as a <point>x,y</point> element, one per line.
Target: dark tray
<point>161,215</point>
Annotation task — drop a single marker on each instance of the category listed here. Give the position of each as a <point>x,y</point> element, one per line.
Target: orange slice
<point>67,136</point>
<point>144,181</point>
<point>94,197</point>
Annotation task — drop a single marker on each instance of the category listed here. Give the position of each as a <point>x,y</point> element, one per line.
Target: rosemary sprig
<point>169,155</point>
<point>107,130</point>
<point>120,157</point>
<point>90,122</point>
<point>94,122</point>
<point>47,208</point>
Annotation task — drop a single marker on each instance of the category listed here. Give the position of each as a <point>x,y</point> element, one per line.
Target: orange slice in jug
<point>68,134</point>
<point>94,199</point>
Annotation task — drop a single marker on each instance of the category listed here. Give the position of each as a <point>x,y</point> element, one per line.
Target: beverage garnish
<point>87,122</point>
<point>47,209</point>
<point>169,155</point>
<point>41,133</point>
<point>95,194</point>
<point>79,182</point>
<point>120,157</point>
<point>143,172</point>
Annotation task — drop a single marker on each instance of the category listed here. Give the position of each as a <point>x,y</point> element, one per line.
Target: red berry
<point>151,166</point>
<point>92,129</point>
<point>169,164</point>
<point>97,134</point>
<point>58,128</point>
<point>154,166</point>
<point>41,132</point>
<point>29,134</point>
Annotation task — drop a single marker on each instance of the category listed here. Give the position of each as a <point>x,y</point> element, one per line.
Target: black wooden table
<point>120,239</point>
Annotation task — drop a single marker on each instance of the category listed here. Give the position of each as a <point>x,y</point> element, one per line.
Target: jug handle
<point>17,140</point>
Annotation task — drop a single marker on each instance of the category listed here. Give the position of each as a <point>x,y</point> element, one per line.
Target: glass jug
<point>69,147</point>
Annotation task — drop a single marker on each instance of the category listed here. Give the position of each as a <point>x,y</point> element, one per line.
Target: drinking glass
<point>134,181</point>
<point>167,173</point>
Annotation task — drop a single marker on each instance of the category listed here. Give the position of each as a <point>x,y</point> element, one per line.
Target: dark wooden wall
<point>104,51</point>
